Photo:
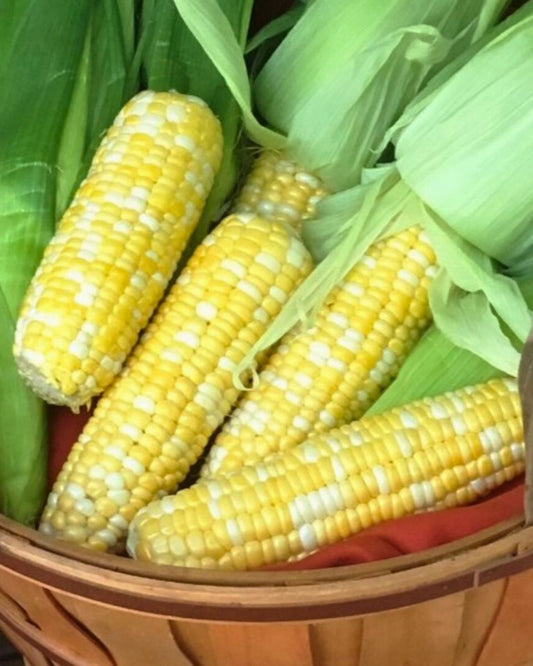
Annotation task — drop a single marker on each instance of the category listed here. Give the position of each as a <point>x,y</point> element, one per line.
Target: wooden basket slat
<point>510,635</point>
<point>477,627</point>
<point>418,630</point>
<point>33,657</point>
<point>337,642</point>
<point>194,640</point>
<point>479,611</point>
<point>41,607</point>
<point>121,649</point>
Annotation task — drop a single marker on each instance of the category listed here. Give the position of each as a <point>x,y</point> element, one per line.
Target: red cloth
<point>399,537</point>
<point>64,428</point>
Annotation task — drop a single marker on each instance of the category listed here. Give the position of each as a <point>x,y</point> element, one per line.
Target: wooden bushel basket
<point>468,603</point>
<point>461,605</point>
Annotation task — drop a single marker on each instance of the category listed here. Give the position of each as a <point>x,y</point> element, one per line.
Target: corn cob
<point>152,424</point>
<point>434,453</point>
<point>330,374</point>
<point>117,246</point>
<point>278,189</point>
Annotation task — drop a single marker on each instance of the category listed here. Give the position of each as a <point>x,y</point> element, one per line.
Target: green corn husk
<point>325,233</point>
<point>466,155</point>
<point>370,57</point>
<point>275,30</point>
<point>36,84</point>
<point>172,58</point>
<point>56,105</point>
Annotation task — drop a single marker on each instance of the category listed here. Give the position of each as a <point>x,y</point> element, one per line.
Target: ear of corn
<point>432,454</point>
<point>172,59</point>
<point>154,421</point>
<point>278,189</point>
<point>436,365</point>
<point>469,290</point>
<point>117,246</point>
<point>331,373</point>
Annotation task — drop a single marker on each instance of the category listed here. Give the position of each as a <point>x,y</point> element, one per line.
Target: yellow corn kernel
<point>277,189</point>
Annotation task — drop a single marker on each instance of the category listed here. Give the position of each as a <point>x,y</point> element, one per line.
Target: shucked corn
<point>277,189</point>
<point>151,425</point>
<point>331,373</point>
<point>117,246</point>
<point>431,454</point>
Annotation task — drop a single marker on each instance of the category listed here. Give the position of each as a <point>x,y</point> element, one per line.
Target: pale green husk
<point>476,136</point>
<point>277,28</point>
<point>65,71</point>
<point>332,31</point>
<point>342,74</point>
<point>424,97</point>
<point>466,154</point>
<point>209,24</point>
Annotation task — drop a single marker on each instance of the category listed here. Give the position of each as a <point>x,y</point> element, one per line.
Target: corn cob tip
<point>278,189</point>
<point>29,366</point>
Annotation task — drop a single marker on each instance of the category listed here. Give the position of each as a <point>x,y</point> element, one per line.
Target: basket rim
<point>265,596</point>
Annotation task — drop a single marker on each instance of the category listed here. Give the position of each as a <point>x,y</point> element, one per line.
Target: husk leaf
<point>208,23</point>
<point>37,85</point>
<point>475,137</point>
<point>371,58</point>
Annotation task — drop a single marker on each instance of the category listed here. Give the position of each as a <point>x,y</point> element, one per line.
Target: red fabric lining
<point>64,428</point>
<point>399,537</point>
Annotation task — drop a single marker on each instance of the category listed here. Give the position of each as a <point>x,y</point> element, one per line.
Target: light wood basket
<point>465,604</point>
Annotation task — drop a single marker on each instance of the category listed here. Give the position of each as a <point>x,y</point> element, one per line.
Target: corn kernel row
<point>433,453</point>
<point>331,373</point>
